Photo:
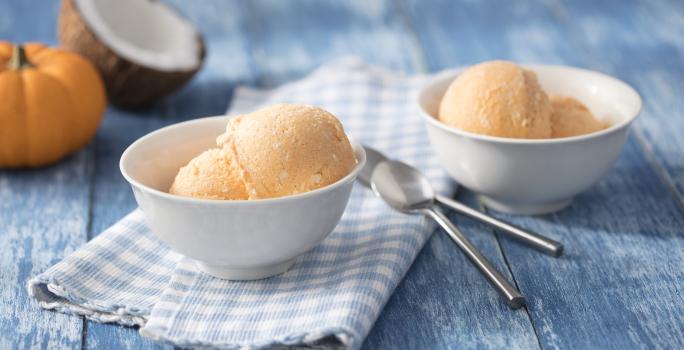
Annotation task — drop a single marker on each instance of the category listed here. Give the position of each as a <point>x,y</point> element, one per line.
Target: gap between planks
<point>420,57</point>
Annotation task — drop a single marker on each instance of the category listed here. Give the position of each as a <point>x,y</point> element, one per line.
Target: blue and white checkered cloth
<point>333,294</point>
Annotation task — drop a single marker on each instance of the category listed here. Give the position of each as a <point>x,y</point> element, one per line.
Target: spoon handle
<point>541,243</point>
<point>513,297</point>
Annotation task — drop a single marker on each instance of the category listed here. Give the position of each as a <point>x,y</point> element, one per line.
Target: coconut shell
<point>128,84</point>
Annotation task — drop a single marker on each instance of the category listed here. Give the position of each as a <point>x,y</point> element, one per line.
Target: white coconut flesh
<point>148,33</point>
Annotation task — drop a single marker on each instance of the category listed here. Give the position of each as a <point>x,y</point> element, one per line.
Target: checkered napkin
<point>332,295</point>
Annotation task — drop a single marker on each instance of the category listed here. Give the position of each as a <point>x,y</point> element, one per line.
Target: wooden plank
<point>457,34</point>
<point>620,283</point>
<point>289,39</point>
<point>43,217</point>
<point>43,214</point>
<point>642,44</point>
<point>443,302</point>
<point>208,94</point>
<point>309,33</point>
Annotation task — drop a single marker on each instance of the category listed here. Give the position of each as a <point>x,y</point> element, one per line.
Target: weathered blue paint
<point>443,302</point>
<point>643,44</point>
<point>620,283</point>
<point>43,213</point>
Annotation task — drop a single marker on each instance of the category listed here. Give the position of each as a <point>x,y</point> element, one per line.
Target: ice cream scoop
<point>210,175</point>
<point>287,149</point>
<point>542,175</point>
<point>276,151</point>
<point>497,98</point>
<point>571,118</point>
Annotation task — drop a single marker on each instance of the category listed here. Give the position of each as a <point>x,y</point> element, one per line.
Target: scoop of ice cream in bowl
<point>527,138</point>
<point>245,196</point>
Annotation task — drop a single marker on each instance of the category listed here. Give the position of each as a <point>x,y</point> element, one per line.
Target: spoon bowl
<point>405,189</point>
<point>402,186</point>
<point>413,176</point>
<point>373,158</point>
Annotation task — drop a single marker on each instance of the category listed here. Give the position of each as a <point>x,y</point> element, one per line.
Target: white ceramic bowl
<point>240,240</point>
<point>535,176</point>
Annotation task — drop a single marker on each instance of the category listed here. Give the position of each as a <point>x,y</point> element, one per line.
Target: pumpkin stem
<point>19,59</point>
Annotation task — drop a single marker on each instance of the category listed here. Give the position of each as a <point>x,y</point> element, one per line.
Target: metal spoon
<point>408,191</point>
<point>541,243</point>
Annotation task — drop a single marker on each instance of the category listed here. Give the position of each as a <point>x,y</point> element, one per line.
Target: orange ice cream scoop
<point>571,118</point>
<point>287,149</point>
<point>210,175</point>
<point>497,98</point>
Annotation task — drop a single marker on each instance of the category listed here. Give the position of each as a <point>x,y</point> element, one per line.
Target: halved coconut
<point>143,48</point>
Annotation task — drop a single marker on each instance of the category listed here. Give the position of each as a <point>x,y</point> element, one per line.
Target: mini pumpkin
<point>52,102</point>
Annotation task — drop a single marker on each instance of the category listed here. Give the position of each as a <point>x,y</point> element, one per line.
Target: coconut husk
<point>128,84</point>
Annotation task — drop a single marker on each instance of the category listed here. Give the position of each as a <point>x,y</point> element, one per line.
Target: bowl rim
<point>357,147</point>
<point>450,74</point>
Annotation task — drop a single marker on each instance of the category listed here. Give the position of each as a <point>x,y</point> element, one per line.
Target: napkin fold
<point>332,295</point>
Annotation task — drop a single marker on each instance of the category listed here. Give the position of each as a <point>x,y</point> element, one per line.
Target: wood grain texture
<point>619,284</point>
<point>443,302</point>
<point>288,39</point>
<point>642,43</point>
<point>43,215</point>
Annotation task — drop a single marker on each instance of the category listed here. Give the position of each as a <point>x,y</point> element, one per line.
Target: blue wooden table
<point>620,284</point>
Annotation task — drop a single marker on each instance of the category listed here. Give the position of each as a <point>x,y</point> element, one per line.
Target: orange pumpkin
<point>51,103</point>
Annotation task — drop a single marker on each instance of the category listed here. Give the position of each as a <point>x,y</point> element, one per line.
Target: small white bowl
<point>231,239</point>
<point>538,176</point>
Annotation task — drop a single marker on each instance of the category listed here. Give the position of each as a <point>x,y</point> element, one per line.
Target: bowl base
<point>244,273</point>
<point>525,209</point>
